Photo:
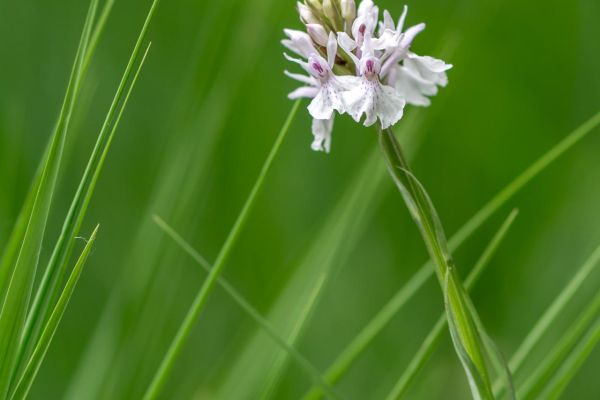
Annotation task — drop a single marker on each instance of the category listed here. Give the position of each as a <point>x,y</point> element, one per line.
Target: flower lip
<point>370,67</point>
<point>319,67</point>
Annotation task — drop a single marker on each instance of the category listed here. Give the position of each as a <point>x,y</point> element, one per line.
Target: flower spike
<point>358,65</point>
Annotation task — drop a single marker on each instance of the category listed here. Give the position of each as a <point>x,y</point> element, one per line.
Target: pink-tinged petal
<point>430,64</point>
<point>304,93</point>
<point>389,107</point>
<point>331,49</point>
<point>365,7</point>
<point>388,22</point>
<point>400,25</point>
<point>299,42</point>
<point>410,34</point>
<point>327,100</point>
<point>309,80</point>
<point>321,130</point>
<point>375,101</point>
<point>411,87</point>
<point>306,15</point>
<point>301,63</point>
<point>417,78</point>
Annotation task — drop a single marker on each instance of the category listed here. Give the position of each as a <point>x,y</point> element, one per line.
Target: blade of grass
<point>57,266</point>
<point>53,275</point>
<point>305,364</point>
<point>573,363</point>
<point>117,365</point>
<point>18,232</point>
<point>543,372</point>
<point>552,312</point>
<point>290,314</point>
<point>20,287</point>
<point>276,372</point>
<point>35,361</point>
<point>360,342</point>
<point>206,289</point>
<point>433,337</point>
<point>13,245</point>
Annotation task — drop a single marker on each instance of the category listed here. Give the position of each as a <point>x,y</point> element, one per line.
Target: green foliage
<point>320,275</point>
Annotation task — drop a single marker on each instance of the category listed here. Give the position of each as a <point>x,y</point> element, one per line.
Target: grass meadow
<point>166,127</point>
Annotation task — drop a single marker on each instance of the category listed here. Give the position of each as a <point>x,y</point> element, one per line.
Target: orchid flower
<point>376,75</point>
<point>368,96</point>
<point>322,86</point>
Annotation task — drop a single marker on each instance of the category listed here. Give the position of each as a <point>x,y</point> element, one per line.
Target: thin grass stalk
<point>26,380</point>
<point>573,363</point>
<point>466,337</point>
<point>197,306</point>
<point>551,313</point>
<point>14,307</point>
<point>34,325</point>
<point>12,247</point>
<point>542,374</point>
<point>114,366</point>
<point>50,285</point>
<point>266,326</point>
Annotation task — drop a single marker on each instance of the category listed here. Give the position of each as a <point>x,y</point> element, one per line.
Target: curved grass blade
<point>309,368</point>
<point>11,251</point>
<point>115,366</point>
<point>14,307</point>
<point>543,372</point>
<point>572,364</point>
<point>290,314</point>
<point>57,266</point>
<point>355,348</point>
<point>545,321</point>
<point>206,289</point>
<point>35,361</point>
<point>16,237</point>
<point>432,339</point>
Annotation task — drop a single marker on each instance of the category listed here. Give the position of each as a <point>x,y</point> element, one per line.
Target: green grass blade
<point>200,300</point>
<point>543,372</point>
<point>12,247</point>
<point>572,364</point>
<point>51,282</point>
<point>545,321</point>
<point>15,239</point>
<point>433,337</point>
<point>35,361</point>
<point>305,364</point>
<point>343,362</point>
<point>290,313</point>
<point>114,368</point>
<point>20,287</point>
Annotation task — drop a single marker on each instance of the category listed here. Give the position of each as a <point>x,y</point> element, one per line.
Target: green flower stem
<point>465,334</point>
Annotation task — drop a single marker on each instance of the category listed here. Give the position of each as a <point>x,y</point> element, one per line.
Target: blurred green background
<point>207,108</point>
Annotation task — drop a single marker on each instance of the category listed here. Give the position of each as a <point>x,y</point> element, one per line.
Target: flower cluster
<point>358,65</point>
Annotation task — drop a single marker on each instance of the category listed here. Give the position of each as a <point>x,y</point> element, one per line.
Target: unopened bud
<point>348,10</point>
<point>306,14</point>
<point>315,4</point>
<point>330,12</point>
<point>318,34</point>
